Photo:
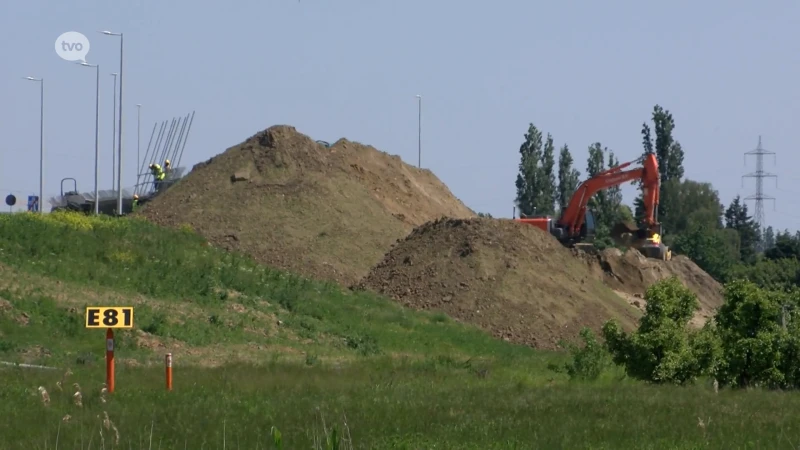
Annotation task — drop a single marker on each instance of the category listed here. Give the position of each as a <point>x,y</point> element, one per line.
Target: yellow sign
<point>109,317</point>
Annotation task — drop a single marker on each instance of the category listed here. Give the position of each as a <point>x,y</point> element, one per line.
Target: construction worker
<point>135,202</point>
<point>167,167</point>
<point>158,175</point>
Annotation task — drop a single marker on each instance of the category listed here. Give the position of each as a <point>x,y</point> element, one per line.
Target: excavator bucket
<point>626,234</point>
<point>646,240</point>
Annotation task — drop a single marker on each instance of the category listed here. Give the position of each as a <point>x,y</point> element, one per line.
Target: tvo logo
<point>72,46</point>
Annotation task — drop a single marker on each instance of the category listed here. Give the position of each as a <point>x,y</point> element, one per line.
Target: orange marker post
<point>110,360</point>
<point>168,364</point>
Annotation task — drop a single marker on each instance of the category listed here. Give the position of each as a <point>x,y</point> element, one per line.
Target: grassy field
<point>258,351</point>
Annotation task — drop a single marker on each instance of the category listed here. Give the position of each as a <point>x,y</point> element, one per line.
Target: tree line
<point>754,338</point>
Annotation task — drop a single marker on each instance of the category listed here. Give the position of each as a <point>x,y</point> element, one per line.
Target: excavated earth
<point>519,284</point>
<point>331,213</point>
<point>511,279</point>
<point>293,204</point>
<point>630,274</point>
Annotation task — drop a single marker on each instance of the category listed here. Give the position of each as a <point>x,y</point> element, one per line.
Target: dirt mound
<point>511,279</point>
<point>630,274</point>
<point>294,204</point>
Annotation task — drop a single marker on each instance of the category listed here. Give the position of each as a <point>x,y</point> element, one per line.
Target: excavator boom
<point>576,224</point>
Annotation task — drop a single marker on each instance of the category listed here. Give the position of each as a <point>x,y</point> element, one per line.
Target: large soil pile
<point>630,274</point>
<point>511,279</point>
<point>292,203</point>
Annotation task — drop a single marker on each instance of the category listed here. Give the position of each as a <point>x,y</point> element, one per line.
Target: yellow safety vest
<point>158,173</point>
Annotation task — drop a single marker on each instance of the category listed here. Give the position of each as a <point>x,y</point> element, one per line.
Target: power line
<point>759,175</point>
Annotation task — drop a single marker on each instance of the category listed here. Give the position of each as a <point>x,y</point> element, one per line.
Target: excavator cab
<point>589,228</point>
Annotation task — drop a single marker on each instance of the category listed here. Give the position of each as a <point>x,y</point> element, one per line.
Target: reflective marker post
<point>110,360</point>
<point>109,317</point>
<point>168,364</point>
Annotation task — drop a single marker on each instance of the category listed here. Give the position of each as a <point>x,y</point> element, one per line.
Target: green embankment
<point>256,349</point>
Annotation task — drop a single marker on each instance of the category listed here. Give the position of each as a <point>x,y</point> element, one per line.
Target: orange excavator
<point>576,226</point>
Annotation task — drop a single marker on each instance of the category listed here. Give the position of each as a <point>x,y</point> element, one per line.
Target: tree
<point>545,203</point>
<point>625,213</point>
<point>529,180</point>
<point>708,248</point>
<point>607,203</point>
<point>737,218</point>
<point>786,246</point>
<point>567,178</point>
<point>773,274</point>
<point>536,182</point>
<point>769,238</point>
<point>668,151</point>
<point>749,326</point>
<point>613,195</point>
<point>669,154</point>
<point>692,203</point>
<point>594,165</point>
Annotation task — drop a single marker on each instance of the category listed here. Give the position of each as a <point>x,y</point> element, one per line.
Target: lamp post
<point>96,137</point>
<point>419,132</point>
<point>119,143</point>
<point>114,137</point>
<point>138,138</point>
<point>41,141</point>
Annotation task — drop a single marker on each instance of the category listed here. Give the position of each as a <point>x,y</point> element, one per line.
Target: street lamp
<point>138,138</point>
<point>41,141</point>
<point>119,143</point>
<point>419,132</point>
<point>96,136</point>
<point>114,137</point>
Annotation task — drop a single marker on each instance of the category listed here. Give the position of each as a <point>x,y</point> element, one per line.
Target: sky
<point>583,71</point>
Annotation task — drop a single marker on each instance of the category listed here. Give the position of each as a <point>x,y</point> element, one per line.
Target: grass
<point>384,403</point>
<point>258,350</point>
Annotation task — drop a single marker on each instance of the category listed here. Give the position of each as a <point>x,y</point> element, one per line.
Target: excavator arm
<point>572,218</point>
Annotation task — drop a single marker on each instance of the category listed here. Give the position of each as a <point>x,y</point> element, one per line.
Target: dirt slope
<point>327,213</point>
<point>511,279</point>
<point>630,274</point>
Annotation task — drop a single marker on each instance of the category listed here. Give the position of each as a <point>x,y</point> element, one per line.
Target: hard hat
<point>135,197</point>
<point>166,162</point>
<point>152,165</point>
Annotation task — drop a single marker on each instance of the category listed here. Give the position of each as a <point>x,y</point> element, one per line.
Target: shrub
<point>587,362</point>
<point>662,350</point>
<point>757,349</point>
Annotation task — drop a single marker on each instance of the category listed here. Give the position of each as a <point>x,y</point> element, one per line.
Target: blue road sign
<point>33,203</point>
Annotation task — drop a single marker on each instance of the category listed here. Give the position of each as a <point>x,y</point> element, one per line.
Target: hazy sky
<point>583,71</point>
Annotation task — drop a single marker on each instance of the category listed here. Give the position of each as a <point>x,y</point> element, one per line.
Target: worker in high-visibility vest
<point>135,203</point>
<point>158,175</point>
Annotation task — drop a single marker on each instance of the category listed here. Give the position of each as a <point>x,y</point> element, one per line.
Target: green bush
<point>662,350</point>
<point>587,362</point>
<point>759,339</point>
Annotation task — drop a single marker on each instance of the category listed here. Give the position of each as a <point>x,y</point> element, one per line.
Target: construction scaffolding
<point>169,144</point>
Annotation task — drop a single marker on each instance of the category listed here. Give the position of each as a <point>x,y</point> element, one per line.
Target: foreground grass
<point>301,356</point>
<point>382,404</point>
